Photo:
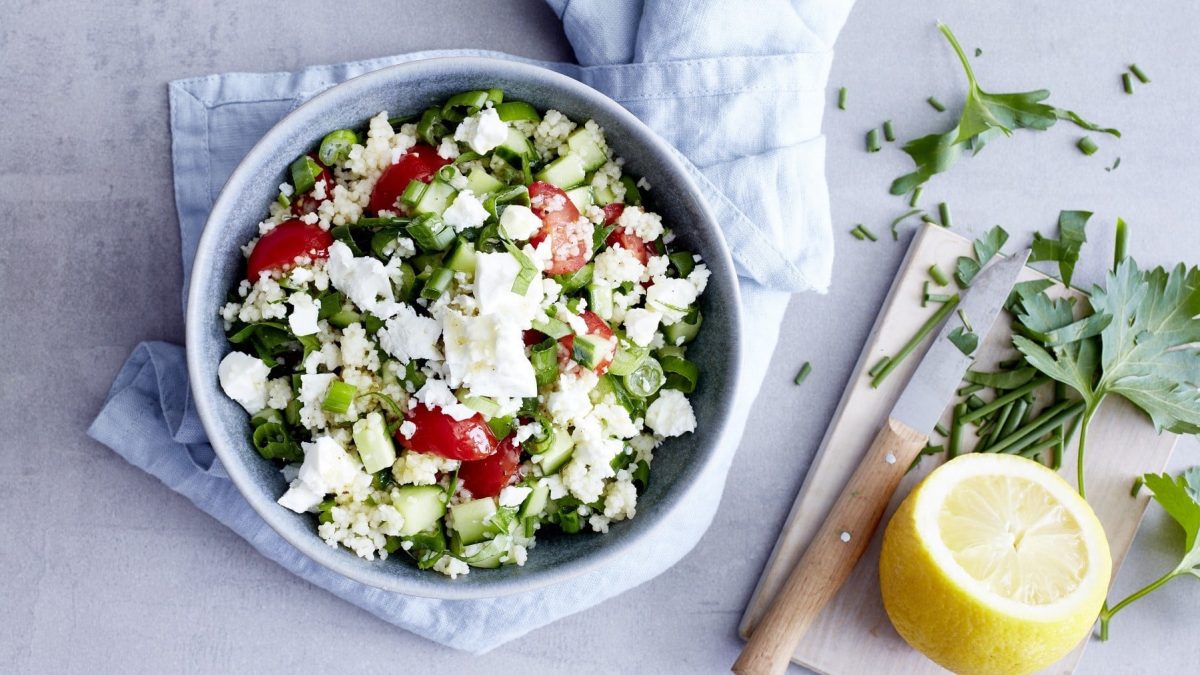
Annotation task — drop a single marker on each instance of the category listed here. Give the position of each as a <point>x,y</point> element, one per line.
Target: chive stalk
<point>841,98</point>
<point>1122,241</point>
<point>944,214</point>
<point>1000,420</point>
<point>954,441</point>
<point>935,104</point>
<point>1137,486</point>
<point>1087,146</point>
<point>916,196</point>
<point>865,232</point>
<point>1127,83</point>
<point>938,276</point>
<point>969,389</point>
<point>942,431</point>
<point>878,367</point>
<point>930,324</point>
<point>804,371</point>
<point>873,140</point>
<point>1024,436</point>
<point>1139,73</point>
<point>889,134</point>
<point>857,234</point>
<point>1004,400</point>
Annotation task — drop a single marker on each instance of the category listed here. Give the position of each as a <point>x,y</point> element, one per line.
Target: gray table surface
<point>107,570</point>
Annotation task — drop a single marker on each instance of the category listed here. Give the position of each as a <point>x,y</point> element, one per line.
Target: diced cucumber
<point>628,357</point>
<point>604,196</point>
<point>488,554</point>
<point>553,459</point>
<point>581,197</point>
<point>516,144</point>
<point>682,332</point>
<point>590,350</point>
<point>481,404</point>
<point>462,257</point>
<point>586,146</point>
<point>565,172</point>
<point>471,519</point>
<point>422,506</point>
<point>600,300</point>
<point>535,503</point>
<point>481,182</point>
<point>374,446</point>
<point>435,199</point>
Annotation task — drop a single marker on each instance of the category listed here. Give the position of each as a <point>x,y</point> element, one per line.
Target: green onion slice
<point>646,379</point>
<point>338,397</point>
<point>335,147</point>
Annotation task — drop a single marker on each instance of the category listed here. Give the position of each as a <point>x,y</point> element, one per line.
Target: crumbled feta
<point>514,495</point>
<point>437,394</point>
<point>569,402</point>
<point>519,223</point>
<point>495,274</point>
<point>464,212</point>
<point>671,298</point>
<point>363,280</point>
<point>483,131</point>
<point>244,379</point>
<point>671,414</point>
<point>641,325</point>
<point>327,468</point>
<point>447,149</point>
<point>312,395</point>
<point>303,319</point>
<point>408,335</point>
<point>487,355</point>
<point>407,429</point>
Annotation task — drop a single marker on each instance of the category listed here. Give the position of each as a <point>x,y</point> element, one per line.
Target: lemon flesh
<point>993,564</point>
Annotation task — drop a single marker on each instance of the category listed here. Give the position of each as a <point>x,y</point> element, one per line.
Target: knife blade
<point>850,524</point>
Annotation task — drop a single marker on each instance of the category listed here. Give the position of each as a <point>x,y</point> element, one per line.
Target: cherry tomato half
<point>441,434</point>
<point>421,162</point>
<point>281,246</point>
<point>596,326</point>
<point>488,476</point>
<point>560,224</point>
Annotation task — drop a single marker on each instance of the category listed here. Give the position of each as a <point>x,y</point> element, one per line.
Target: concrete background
<point>106,570</point>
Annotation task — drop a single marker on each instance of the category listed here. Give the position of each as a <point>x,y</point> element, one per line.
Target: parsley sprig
<point>985,116</point>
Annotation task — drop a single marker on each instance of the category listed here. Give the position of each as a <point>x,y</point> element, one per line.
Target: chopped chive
<point>1048,443</point>
<point>938,297</point>
<point>1127,83</point>
<point>866,232</point>
<point>338,397</point>
<point>928,219</point>
<point>925,294</point>
<point>1114,166</point>
<point>1007,398</point>
<point>978,52</point>
<point>1137,486</point>
<point>969,389</point>
<point>938,275</point>
<point>899,219</point>
<point>1139,73</point>
<point>929,449</point>
<point>936,104</point>
<point>962,316</point>
<point>873,140</point>
<point>1050,419</point>
<point>842,98</point>
<point>916,196</point>
<point>878,367</point>
<point>974,402</point>
<point>857,233</point>
<point>941,429</point>
<point>932,322</point>
<point>944,214</point>
<point>954,441</point>
<point>998,422</point>
<point>1087,146</point>
<point>1121,242</point>
<point>804,371</point>
<point>889,134</point>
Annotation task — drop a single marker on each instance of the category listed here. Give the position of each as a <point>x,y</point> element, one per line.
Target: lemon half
<point>994,564</point>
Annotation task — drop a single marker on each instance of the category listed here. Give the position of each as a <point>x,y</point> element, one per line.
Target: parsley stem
<point>1127,83</point>
<point>925,329</point>
<point>841,98</point>
<point>1083,429</point>
<point>957,50</point>
<point>1121,243</point>
<point>1139,73</point>
<point>1106,614</point>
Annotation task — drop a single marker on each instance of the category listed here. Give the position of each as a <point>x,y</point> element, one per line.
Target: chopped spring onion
<point>304,174</point>
<point>544,357</point>
<point>628,356</point>
<point>916,196</point>
<point>686,329</point>
<point>430,233</point>
<point>500,426</point>
<point>866,233</point>
<point>335,147</point>
<point>944,214</point>
<point>1121,243</point>
<point>528,271</point>
<point>437,283</point>
<point>873,140</point>
<point>1087,146</point>
<point>1127,83</point>
<point>889,134</point>
<point>804,371</point>
<point>1139,73</point>
<point>412,192</point>
<point>684,262</point>
<point>517,111</point>
<point>646,379</point>
<point>464,104</point>
<point>681,374</point>
<point>935,104</point>
<point>939,277</point>
<point>338,397</point>
<point>841,100</point>
<point>932,322</point>
<point>271,440</point>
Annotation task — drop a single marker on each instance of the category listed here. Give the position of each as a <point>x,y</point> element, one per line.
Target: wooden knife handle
<point>833,552</point>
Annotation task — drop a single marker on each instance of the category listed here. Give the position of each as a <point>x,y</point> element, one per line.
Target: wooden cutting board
<point>853,635</point>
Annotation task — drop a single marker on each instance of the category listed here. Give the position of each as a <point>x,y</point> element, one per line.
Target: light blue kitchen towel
<point>737,87</point>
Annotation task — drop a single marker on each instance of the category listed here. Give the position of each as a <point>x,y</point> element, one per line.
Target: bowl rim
<point>311,546</point>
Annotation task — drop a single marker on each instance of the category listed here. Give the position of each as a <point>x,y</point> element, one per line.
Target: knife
<point>848,528</point>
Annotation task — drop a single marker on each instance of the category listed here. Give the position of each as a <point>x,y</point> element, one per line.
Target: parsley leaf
<point>1064,250</point>
<point>986,248</point>
<point>966,341</point>
<point>1180,498</point>
<point>985,116</point>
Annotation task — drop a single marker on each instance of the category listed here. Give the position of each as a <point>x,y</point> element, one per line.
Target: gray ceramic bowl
<point>409,88</point>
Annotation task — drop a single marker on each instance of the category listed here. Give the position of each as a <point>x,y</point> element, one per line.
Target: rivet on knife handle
<point>833,552</point>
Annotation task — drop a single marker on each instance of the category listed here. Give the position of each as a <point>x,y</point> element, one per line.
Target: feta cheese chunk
<point>671,414</point>
<point>487,355</point>
<point>244,379</point>
<point>519,223</point>
<point>327,468</point>
<point>436,394</point>
<point>464,212</point>
<point>641,325</point>
<point>483,131</point>
<point>514,495</point>
<point>364,280</point>
<point>408,335</point>
<point>303,319</point>
<point>671,298</point>
<point>495,274</point>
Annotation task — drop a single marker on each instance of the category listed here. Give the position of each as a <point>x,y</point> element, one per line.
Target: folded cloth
<point>738,91</point>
